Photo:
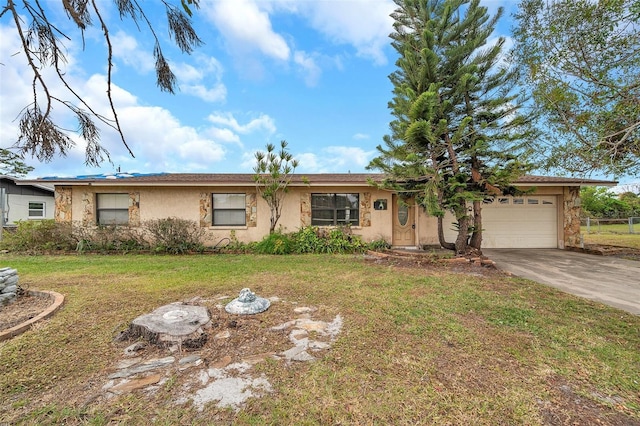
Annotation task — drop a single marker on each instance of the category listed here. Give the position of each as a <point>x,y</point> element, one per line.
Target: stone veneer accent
<point>365,209</point>
<point>571,209</point>
<point>63,204</point>
<point>305,209</point>
<point>88,209</point>
<point>134,209</point>
<point>252,210</point>
<point>206,211</point>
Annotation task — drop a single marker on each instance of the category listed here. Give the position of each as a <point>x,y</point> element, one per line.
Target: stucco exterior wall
<point>17,207</point>
<point>426,228</point>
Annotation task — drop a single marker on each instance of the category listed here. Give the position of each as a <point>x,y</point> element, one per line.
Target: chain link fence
<point>630,225</point>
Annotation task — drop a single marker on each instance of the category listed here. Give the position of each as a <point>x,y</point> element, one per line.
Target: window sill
<point>225,227</point>
<point>337,226</point>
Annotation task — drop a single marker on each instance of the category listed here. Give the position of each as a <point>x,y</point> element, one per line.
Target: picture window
<point>335,209</point>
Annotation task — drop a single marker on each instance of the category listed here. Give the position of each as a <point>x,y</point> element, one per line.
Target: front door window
<point>403,214</point>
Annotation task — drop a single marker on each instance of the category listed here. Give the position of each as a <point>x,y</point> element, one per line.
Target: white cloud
<point>309,162</point>
<point>163,143</point>
<point>244,25</point>
<point>263,122</point>
<point>203,150</point>
<point>214,94</point>
<point>334,159</point>
<point>309,68</point>
<point>125,48</point>
<point>205,81</point>
<point>361,136</point>
<point>344,155</point>
<point>364,24</point>
<point>223,135</point>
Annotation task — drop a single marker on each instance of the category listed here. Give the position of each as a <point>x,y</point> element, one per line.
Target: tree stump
<point>172,324</point>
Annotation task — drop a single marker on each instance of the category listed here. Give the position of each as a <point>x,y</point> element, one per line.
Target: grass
<point>419,345</point>
<point>612,234</point>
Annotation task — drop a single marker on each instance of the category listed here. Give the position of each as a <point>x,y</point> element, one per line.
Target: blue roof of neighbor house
<point>101,176</point>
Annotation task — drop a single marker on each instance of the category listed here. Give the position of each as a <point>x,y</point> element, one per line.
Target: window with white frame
<point>112,209</point>
<point>229,209</point>
<point>36,209</point>
<point>335,209</point>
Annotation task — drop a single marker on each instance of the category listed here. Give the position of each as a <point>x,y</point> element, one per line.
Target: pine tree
<point>457,137</point>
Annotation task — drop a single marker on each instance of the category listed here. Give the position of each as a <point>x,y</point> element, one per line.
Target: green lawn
<point>612,234</point>
<point>429,345</point>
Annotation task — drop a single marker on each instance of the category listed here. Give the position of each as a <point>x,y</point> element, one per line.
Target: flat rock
<point>133,384</point>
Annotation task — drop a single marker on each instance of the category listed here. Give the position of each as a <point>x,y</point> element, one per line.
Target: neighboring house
<point>20,202</point>
<point>228,204</point>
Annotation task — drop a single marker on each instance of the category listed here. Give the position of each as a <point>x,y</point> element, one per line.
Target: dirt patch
<point>564,406</point>
<point>434,262</point>
<point>615,251</point>
<point>23,309</point>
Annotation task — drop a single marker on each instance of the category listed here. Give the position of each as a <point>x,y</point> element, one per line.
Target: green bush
<point>109,238</point>
<point>307,240</point>
<point>174,235</point>
<point>232,245</point>
<point>379,245</point>
<point>340,240</point>
<point>276,243</point>
<point>39,236</point>
<point>312,239</point>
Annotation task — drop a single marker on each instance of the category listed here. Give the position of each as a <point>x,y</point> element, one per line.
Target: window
<point>229,210</point>
<point>112,209</point>
<point>335,209</point>
<point>36,209</point>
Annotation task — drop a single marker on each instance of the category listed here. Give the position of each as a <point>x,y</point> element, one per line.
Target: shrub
<point>232,245</point>
<point>109,238</point>
<point>39,236</point>
<point>379,245</point>
<point>275,243</point>
<point>174,235</point>
<point>340,240</point>
<point>312,239</point>
<point>307,240</point>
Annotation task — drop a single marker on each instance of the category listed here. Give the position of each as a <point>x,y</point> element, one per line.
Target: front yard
<point>426,343</point>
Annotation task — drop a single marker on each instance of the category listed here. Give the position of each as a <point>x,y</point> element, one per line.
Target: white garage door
<point>519,222</point>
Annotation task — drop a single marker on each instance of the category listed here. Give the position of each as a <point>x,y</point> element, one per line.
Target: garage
<point>519,222</point>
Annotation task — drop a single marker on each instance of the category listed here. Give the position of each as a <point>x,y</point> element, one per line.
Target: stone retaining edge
<point>58,300</point>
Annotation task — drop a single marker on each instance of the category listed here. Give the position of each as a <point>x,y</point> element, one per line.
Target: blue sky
<point>312,72</point>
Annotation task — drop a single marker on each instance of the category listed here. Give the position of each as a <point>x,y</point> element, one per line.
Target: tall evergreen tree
<point>457,137</point>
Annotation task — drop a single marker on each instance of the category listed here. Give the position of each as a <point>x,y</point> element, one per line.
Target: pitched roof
<point>244,179</point>
<point>44,186</point>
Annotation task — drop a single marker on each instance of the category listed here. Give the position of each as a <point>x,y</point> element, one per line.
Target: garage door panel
<point>520,222</point>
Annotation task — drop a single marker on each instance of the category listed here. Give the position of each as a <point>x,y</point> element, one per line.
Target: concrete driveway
<point>609,280</point>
